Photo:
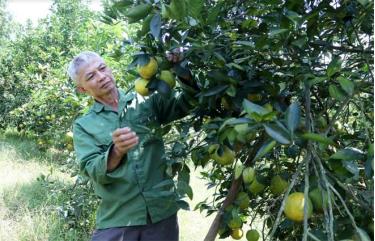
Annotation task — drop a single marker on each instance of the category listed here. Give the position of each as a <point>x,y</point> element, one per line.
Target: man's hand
<point>123,139</point>
<point>176,55</point>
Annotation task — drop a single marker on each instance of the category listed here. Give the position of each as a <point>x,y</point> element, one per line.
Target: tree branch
<point>233,190</point>
<point>212,232</point>
<point>320,43</point>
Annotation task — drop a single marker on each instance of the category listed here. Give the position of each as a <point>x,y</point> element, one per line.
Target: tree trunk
<point>212,232</point>
<point>236,184</point>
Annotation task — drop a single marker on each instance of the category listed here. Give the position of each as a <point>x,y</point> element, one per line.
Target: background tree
<point>286,87</point>
<point>39,100</point>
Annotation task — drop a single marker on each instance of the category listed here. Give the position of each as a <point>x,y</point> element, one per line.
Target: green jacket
<point>139,184</point>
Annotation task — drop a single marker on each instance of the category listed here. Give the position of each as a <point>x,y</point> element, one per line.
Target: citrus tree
<point>282,109</point>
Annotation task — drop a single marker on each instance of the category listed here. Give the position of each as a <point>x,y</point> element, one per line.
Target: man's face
<point>95,78</point>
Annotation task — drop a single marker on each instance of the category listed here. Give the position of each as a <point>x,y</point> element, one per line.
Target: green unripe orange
<point>168,77</point>
<point>278,185</point>
<point>252,235</point>
<point>256,187</point>
<point>148,70</point>
<point>317,199</point>
<point>237,233</point>
<point>225,158</point>
<point>248,175</point>
<point>294,207</point>
<point>140,86</point>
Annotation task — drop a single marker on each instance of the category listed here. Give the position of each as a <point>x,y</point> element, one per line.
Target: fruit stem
<point>294,178</point>
<point>322,171</point>
<point>306,193</point>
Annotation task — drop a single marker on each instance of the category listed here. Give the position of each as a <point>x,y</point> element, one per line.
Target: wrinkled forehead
<point>85,66</point>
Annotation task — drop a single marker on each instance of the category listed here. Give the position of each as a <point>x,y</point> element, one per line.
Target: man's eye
<point>90,77</point>
<point>102,68</point>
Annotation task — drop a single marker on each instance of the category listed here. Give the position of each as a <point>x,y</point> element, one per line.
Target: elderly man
<point>123,157</point>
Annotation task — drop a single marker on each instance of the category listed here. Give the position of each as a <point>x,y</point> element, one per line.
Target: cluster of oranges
<point>147,72</point>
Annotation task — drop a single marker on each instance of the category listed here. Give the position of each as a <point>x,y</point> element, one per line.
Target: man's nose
<point>100,75</point>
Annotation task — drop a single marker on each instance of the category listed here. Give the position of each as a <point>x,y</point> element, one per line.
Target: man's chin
<point>110,88</point>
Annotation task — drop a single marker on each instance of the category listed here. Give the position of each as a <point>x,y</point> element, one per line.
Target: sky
<point>21,10</point>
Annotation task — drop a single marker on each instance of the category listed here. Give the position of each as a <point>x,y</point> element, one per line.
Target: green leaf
<point>220,57</point>
<point>336,93</point>
<point>241,128</point>
<point>145,26</point>
<point>163,87</point>
<point>236,121</point>
<point>370,150</point>
<point>348,154</point>
<point>300,42</point>
<point>138,12</point>
<point>364,4</point>
<point>178,149</point>
<point>166,12</point>
<point>178,9</point>
<point>277,134</point>
<point>238,170</point>
<point>317,138</point>
<point>183,205</point>
<point>142,59</point>
<point>231,91</point>
<point>245,43</point>
<point>195,8</point>
<point>122,4</point>
<point>184,188</point>
<point>346,85</point>
<point>293,116</point>
<point>234,65</point>
<point>213,91</point>
<point>254,108</point>
<point>352,167</point>
<point>277,32</point>
<point>334,67</point>
<point>293,16</point>
<point>189,192</point>
<point>317,80</point>
<point>267,147</point>
<point>155,26</point>
<point>229,134</point>
<point>213,14</point>
<point>363,235</point>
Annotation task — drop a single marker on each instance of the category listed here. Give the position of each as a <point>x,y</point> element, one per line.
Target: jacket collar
<point>124,99</point>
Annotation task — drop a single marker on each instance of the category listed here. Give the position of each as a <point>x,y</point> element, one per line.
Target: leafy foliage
<point>39,96</point>
<point>39,100</point>
<point>288,85</point>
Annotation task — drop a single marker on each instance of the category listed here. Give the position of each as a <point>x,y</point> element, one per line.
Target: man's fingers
<point>124,137</point>
<point>128,142</point>
<point>130,146</point>
<point>125,149</point>
<point>169,57</point>
<point>120,131</point>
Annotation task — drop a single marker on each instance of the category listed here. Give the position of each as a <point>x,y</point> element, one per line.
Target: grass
<point>27,208</point>
<point>32,189</point>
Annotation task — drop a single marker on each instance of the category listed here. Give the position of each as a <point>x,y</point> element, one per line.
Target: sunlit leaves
<point>293,116</point>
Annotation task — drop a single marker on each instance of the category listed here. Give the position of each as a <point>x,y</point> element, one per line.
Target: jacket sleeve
<point>92,158</point>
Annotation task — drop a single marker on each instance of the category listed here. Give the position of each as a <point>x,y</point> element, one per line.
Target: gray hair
<point>79,60</point>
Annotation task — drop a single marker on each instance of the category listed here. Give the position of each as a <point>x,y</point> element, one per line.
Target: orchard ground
<point>28,208</point>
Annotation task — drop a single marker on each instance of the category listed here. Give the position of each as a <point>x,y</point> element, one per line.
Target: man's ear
<point>80,89</point>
